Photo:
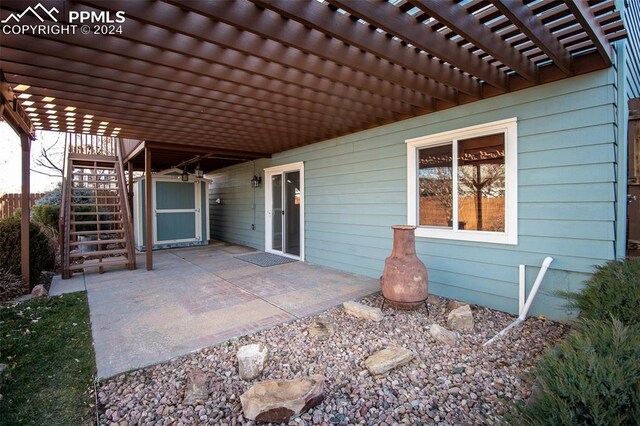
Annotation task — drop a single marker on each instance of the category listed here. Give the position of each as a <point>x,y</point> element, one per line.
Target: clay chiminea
<point>404,280</point>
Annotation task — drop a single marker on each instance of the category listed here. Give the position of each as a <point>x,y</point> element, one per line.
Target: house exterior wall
<point>356,188</point>
<point>632,59</point>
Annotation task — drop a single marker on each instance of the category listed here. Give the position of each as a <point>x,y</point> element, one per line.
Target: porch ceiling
<point>264,76</point>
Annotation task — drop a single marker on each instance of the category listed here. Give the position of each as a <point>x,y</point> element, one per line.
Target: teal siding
<point>355,189</point>
<point>632,63</point>
<point>232,219</point>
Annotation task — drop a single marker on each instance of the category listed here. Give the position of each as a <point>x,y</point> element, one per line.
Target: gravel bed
<point>465,384</point>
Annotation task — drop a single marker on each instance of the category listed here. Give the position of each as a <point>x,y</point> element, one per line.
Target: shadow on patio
<point>198,297</point>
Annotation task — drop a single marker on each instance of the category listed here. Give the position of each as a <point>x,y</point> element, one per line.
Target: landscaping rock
<point>359,310</point>
<point>278,401</point>
<point>39,292</point>
<point>455,304</point>
<point>320,330</point>
<point>387,359</point>
<point>460,319</point>
<point>251,360</point>
<point>443,335</point>
<point>197,387</point>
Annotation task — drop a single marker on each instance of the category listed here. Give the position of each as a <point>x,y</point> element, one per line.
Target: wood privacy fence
<point>9,203</point>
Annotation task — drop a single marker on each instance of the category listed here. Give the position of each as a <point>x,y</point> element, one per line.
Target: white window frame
<point>510,129</point>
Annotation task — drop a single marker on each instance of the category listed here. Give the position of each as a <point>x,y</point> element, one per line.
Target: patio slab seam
<point>240,288</point>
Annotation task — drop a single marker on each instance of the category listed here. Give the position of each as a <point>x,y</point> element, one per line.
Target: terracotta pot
<point>404,280</point>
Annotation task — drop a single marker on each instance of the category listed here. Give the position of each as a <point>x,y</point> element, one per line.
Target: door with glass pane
<point>284,210</point>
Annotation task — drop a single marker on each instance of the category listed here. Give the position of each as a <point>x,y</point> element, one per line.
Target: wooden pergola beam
<point>391,19</point>
<point>322,18</point>
<point>139,88</point>
<point>523,17</point>
<point>248,17</point>
<point>85,61</point>
<point>589,23</point>
<point>224,42</point>
<point>213,60</point>
<point>212,112</point>
<point>454,16</point>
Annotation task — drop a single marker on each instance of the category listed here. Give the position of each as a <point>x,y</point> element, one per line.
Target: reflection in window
<point>435,179</point>
<point>478,193</point>
<point>481,183</point>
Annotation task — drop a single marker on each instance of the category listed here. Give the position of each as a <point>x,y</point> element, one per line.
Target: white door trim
<point>268,172</point>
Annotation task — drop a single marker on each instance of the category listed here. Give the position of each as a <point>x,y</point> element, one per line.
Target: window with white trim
<point>463,184</point>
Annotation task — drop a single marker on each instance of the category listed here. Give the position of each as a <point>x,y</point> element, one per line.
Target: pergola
<point>227,81</point>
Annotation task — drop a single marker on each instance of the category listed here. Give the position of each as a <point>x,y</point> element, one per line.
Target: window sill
<point>473,236</point>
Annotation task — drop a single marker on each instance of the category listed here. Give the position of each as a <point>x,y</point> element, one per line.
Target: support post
<point>130,186</point>
<point>25,141</point>
<point>148,194</point>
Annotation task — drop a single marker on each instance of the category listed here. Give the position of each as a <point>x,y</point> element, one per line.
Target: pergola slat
<point>467,26</point>
<point>241,70</point>
<point>259,88</point>
<point>587,20</point>
<point>392,20</point>
<point>172,110</point>
<point>205,42</point>
<point>530,25</point>
<point>139,85</point>
<point>321,18</point>
<point>248,17</point>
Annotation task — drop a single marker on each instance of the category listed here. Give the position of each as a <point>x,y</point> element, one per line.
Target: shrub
<point>11,286</point>
<point>41,253</point>
<point>614,290</point>
<point>591,378</point>
<point>46,214</point>
<point>51,197</point>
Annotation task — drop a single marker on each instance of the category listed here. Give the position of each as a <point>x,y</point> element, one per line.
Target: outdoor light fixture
<point>256,181</point>
<point>184,176</point>
<point>199,172</point>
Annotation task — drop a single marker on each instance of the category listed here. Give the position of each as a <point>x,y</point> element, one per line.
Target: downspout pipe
<point>523,314</point>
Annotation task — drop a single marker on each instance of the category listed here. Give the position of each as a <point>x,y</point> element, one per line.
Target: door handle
<point>282,212</point>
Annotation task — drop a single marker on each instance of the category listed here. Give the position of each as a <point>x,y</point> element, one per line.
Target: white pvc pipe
<point>521,287</point>
<point>523,312</point>
<point>543,270</point>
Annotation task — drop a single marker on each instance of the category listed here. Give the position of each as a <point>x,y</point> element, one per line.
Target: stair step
<point>94,222</point>
<point>96,242</point>
<point>95,213</point>
<point>93,196</point>
<point>113,262</point>
<point>97,253</point>
<point>93,205</point>
<point>103,231</point>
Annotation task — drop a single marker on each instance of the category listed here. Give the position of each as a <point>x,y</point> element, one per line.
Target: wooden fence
<point>9,203</point>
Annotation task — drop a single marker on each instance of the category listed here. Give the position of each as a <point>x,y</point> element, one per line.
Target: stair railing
<point>124,201</point>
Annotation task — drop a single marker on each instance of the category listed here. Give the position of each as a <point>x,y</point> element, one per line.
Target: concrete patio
<point>198,297</point>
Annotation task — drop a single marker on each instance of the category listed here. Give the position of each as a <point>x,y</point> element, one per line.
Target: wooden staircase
<point>95,218</point>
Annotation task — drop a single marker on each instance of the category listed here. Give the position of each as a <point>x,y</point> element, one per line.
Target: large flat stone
<point>278,401</point>
<point>359,310</point>
<point>387,359</point>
